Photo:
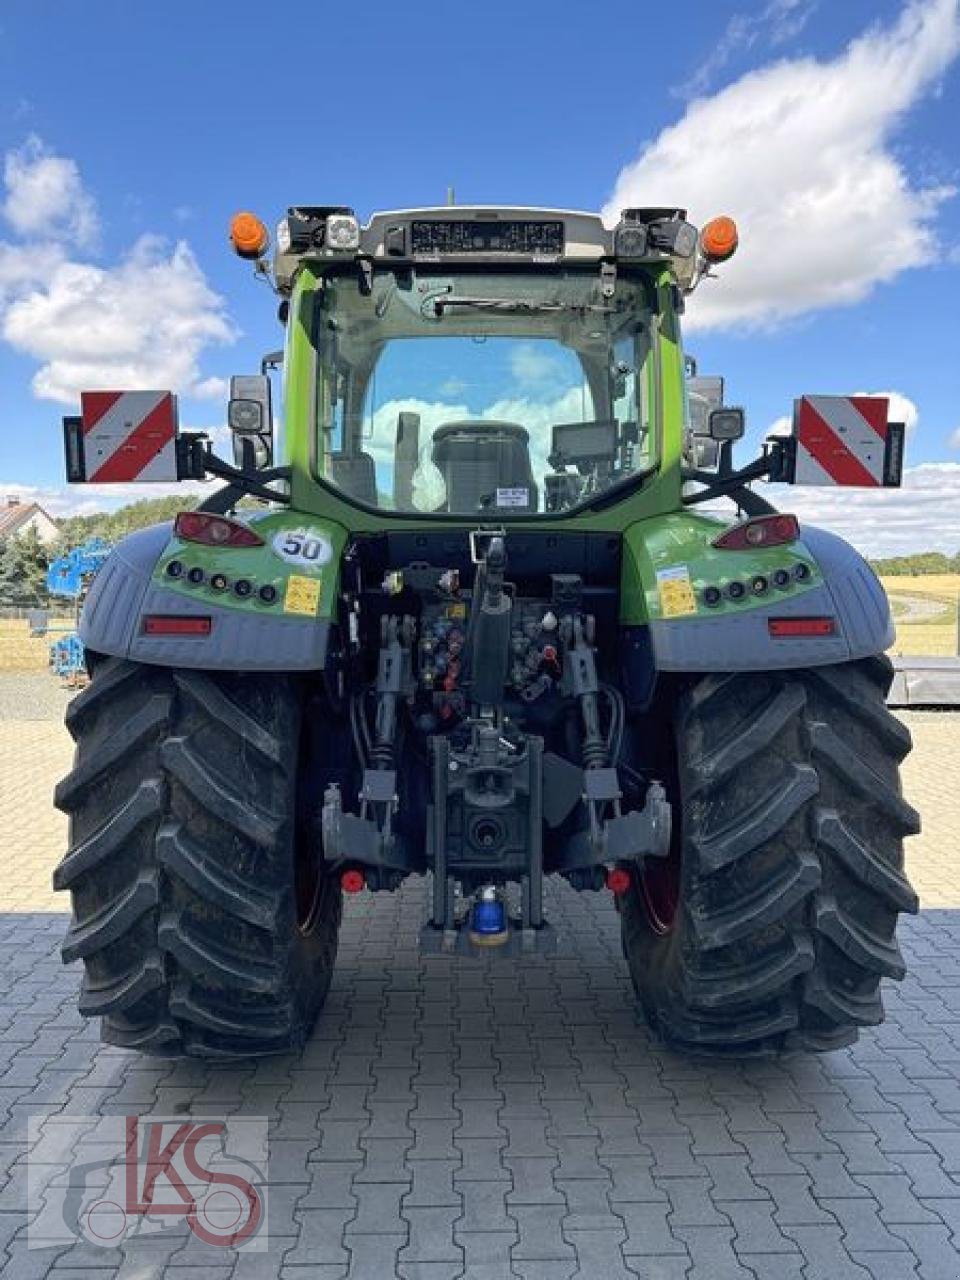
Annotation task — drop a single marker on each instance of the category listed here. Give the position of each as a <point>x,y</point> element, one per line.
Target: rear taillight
<point>175,624</point>
<point>801,626</point>
<point>214,531</point>
<point>761,531</point>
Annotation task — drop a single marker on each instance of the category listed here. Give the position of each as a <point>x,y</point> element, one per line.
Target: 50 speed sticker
<point>306,548</point>
<point>676,592</point>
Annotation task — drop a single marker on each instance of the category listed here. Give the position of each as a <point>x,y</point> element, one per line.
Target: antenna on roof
<point>451,196</point>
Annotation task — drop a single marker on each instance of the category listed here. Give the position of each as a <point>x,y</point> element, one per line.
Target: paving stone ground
<point>462,1118</point>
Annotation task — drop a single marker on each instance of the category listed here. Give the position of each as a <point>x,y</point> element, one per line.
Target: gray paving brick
<point>488,1249</point>
<point>826,1258</point>
<point>480,1160</point>
<point>648,1231</point>
<point>478,1118</point>
<point>541,1235</point>
<point>552,1270</point>
<point>432,1184</point>
<point>888,1266</point>
<point>338,1140</point>
<point>378,1209</point>
<point>389,1119</point>
<point>430,1270</point>
<point>434,1140</point>
<point>795,1206</point>
<point>712,1254</point>
<point>938,1255</point>
<point>431,1236</point>
<point>632,1178</point>
<point>863,1232</point>
<point>830,1179</point>
<point>928,1178</point>
<point>732,1179</point>
<point>691,1204</point>
<point>372,1257</point>
<point>599,1253</point>
<point>755,1229</point>
<point>776,1266</point>
<point>321,1237</point>
<point>484,1207</point>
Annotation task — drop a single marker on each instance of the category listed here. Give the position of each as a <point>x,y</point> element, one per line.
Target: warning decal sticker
<point>302,596</point>
<point>676,592</point>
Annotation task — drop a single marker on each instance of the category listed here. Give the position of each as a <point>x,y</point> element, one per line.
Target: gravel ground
<point>32,697</point>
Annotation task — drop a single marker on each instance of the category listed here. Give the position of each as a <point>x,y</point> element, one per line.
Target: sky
<point>129,133</point>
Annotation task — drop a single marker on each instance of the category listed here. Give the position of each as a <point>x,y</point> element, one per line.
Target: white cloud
<point>775,24</point>
<point>924,515</point>
<point>901,409</point>
<point>211,389</point>
<point>46,196</point>
<point>799,152</point>
<point>142,323</point>
<point>531,364</point>
<point>22,268</point>
<point>955,439</point>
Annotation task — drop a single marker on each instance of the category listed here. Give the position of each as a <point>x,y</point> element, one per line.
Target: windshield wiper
<point>519,306</point>
<point>495,304</point>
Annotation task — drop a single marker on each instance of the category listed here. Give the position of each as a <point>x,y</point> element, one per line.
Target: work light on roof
<point>631,240</point>
<point>343,232</point>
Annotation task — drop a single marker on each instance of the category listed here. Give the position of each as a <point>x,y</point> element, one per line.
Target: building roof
<point>15,516</point>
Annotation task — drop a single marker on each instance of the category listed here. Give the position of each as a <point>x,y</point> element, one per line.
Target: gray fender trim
<point>850,592</point>
<point>123,591</point>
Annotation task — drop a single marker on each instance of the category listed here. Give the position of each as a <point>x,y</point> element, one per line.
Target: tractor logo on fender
<point>306,548</point>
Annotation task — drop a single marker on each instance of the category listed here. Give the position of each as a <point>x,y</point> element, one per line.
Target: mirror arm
<point>732,484</point>
<point>241,481</point>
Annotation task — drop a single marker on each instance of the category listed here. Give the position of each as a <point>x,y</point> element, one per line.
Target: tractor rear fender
<point>836,597</point>
<point>288,631</point>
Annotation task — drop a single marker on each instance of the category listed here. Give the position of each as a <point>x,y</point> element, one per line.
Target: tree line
<point>920,562</point>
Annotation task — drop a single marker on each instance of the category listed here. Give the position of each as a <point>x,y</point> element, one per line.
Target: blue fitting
<point>489,917</point>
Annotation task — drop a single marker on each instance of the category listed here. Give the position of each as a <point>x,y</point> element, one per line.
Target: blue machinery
<point>70,575</point>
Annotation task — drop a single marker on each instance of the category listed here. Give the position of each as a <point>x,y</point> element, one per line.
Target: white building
<point>18,517</point>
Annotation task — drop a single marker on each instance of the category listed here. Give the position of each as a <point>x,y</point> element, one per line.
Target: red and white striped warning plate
<point>841,440</point>
<point>129,435</point>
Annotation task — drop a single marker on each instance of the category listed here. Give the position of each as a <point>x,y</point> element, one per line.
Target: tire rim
<point>307,872</point>
<point>306,886</point>
<point>660,886</point>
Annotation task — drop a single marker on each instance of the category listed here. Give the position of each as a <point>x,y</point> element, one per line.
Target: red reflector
<point>761,531</point>
<point>801,626</point>
<point>352,881</point>
<point>214,531</point>
<point>618,880</point>
<point>172,624</point>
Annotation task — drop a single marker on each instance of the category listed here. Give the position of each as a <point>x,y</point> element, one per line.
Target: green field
<point>925,611</point>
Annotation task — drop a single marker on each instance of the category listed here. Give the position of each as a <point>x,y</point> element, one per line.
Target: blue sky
<point>829,130</point>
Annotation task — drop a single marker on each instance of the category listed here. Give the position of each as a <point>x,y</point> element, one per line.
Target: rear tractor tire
<point>201,915</point>
<point>772,922</point>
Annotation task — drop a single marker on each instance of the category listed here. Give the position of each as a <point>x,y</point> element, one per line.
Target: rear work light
<point>174,624</point>
<point>761,531</point>
<point>214,531</point>
<point>801,626</point>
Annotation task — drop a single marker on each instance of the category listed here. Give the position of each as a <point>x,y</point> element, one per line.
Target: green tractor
<point>466,616</point>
